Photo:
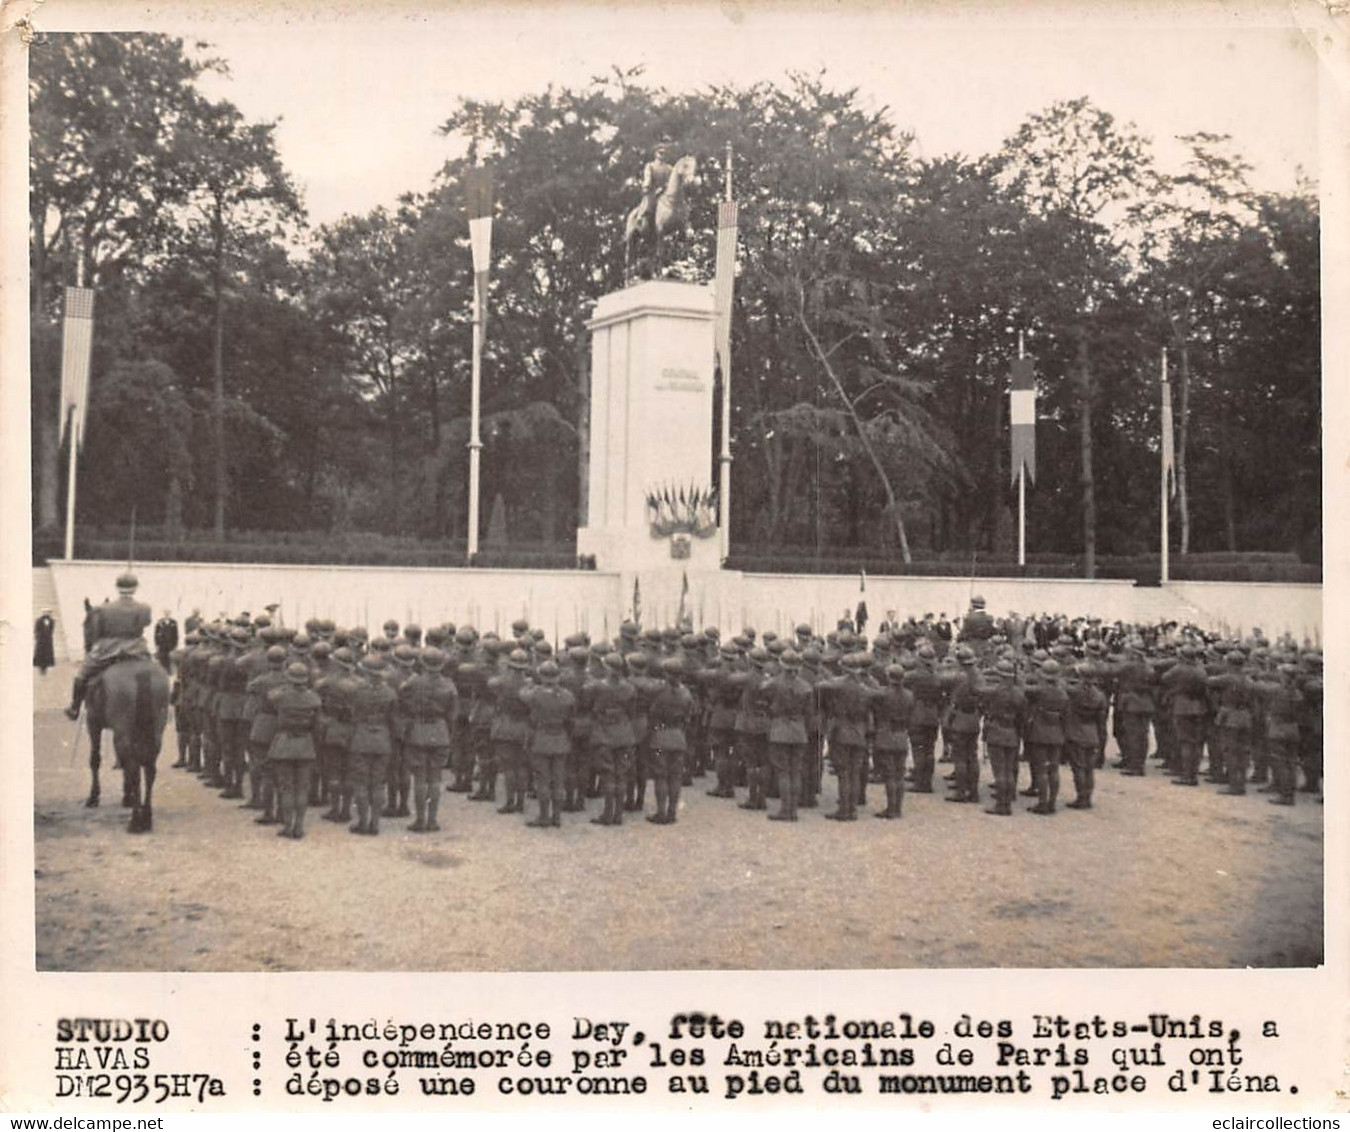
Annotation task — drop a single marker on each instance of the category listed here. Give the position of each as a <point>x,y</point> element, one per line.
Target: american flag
<point>478,204</point>
<point>76,342</point>
<point>1169,467</point>
<point>725,280</point>
<point>1022,417</point>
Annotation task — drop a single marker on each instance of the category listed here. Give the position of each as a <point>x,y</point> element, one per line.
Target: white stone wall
<point>563,601</point>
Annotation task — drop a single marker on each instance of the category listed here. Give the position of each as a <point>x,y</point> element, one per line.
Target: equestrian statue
<point>662,214</point>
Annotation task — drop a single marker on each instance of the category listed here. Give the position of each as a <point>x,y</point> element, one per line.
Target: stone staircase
<point>44,597</point>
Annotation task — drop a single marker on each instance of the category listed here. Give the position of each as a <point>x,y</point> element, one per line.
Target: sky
<point>360,99</point>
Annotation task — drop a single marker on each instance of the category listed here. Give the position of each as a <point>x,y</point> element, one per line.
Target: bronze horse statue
<point>652,219</point>
<point>131,699</point>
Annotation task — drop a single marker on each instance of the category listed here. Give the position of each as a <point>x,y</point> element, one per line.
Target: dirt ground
<point>1154,876</point>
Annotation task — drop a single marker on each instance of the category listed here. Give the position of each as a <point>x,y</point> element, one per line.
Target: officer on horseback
<point>117,632</point>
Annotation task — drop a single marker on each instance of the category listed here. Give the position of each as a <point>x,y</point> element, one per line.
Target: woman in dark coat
<point>44,654</point>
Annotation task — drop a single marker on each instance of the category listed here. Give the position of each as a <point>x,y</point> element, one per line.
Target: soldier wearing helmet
<point>961,727</point>
<point>231,725</point>
<point>752,727</point>
<point>370,703</point>
<point>891,712</point>
<point>723,694</point>
<point>670,713</point>
<point>1133,707</point>
<point>295,707</point>
<point>511,729</point>
<point>577,769</point>
<point>116,629</point>
<point>1044,736</point>
<point>1085,723</point>
<point>1185,692</point>
<point>612,735</point>
<point>1234,695</point>
<point>1283,703</point>
<point>399,781</point>
<point>929,704</point>
<point>551,710</point>
<point>428,705</point>
<point>847,701</point>
<point>335,732</point>
<point>1004,704</point>
<point>262,723</point>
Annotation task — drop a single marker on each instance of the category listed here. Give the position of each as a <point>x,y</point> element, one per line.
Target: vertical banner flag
<point>1022,417</point>
<point>478,193</point>
<point>724,281</point>
<point>1168,448</point>
<point>76,342</point>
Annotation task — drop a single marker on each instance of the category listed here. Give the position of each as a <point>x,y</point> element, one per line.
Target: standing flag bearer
<point>1022,417</point>
<point>478,194</point>
<point>76,342</point>
<point>1169,484</point>
<point>725,280</point>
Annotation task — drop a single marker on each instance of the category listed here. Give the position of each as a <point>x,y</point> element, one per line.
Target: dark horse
<point>130,698</point>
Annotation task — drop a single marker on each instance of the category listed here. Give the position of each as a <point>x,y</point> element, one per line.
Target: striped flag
<point>478,204</point>
<point>1022,416</point>
<point>76,343</point>
<point>1169,467</point>
<point>725,281</point>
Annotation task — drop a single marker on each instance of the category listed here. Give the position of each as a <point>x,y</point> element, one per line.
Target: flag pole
<point>1166,424</point>
<point>727,258</point>
<point>1021,484</point>
<point>70,485</point>
<point>479,186</point>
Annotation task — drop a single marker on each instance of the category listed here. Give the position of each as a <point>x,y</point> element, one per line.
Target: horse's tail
<point>144,734</point>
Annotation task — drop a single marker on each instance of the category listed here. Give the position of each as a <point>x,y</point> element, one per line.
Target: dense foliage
<point>252,373</point>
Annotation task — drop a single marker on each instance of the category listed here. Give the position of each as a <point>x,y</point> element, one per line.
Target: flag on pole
<point>1022,417</point>
<point>724,281</point>
<point>684,601</point>
<point>478,204</point>
<point>637,601</point>
<point>1168,445</point>
<point>76,343</point>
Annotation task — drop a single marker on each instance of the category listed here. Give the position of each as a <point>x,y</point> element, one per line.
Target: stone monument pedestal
<point>650,423</point>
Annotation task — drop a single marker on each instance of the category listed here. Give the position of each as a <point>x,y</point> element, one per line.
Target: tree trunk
<point>218,371</point>
<point>1085,448</point>
<point>1183,428</point>
<point>892,504</point>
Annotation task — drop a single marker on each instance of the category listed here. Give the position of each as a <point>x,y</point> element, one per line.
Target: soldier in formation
<point>331,716</point>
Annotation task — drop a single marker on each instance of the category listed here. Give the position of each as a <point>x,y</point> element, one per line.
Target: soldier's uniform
<point>789,703</point>
<point>1005,709</point>
<point>335,734</point>
<point>233,678</point>
<point>646,687</point>
<point>428,704</point>
<point>670,713</point>
<point>551,709</point>
<point>1185,691</point>
<point>1048,705</point>
<point>370,704</point>
<point>262,723</point>
<point>723,696</point>
<point>574,678</point>
<point>891,712</point>
<point>752,728</point>
<point>292,755</point>
<point>1310,723</point>
<point>399,773</point>
<point>465,675</point>
<point>1234,696</point>
<point>848,706</point>
<point>1085,725</point>
<point>1133,709</point>
<point>510,729</point>
<point>1283,704</point>
<point>116,629</point>
<point>962,729</point>
<point>927,687</point>
<point>612,736</point>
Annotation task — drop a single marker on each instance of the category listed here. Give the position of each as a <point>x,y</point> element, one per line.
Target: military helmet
<point>373,662</point>
<point>543,648</point>
<point>518,658</point>
<point>573,640</point>
<point>1050,668</point>
<point>345,657</point>
<point>729,651</point>
<point>301,643</point>
<point>895,673</point>
<point>276,655</point>
<point>811,657</point>
<point>613,661</point>
<point>548,671</point>
<point>804,630</point>
<point>127,583</point>
<point>713,633</point>
<point>977,602</point>
<point>637,661</point>
<point>433,660</point>
<point>790,658</point>
<point>759,656</point>
<point>578,654</point>
<point>435,636</point>
<point>1236,657</point>
<point>391,626</point>
<point>239,636</point>
<point>322,649</point>
<point>672,666</point>
<point>1005,668</point>
<point>775,647</point>
<point>465,635</point>
<point>381,645</point>
<point>927,653</point>
<point>405,655</point>
<point>297,673</point>
<point>327,626</point>
<point>965,655</point>
<point>262,621</point>
<point>520,625</point>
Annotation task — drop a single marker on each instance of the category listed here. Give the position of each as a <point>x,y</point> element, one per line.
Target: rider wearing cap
<point>117,629</point>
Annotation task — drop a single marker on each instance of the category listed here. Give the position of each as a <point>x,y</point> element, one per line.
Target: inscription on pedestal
<point>680,381</point>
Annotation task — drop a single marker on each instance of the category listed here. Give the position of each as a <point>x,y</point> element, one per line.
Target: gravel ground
<point>1154,876</point>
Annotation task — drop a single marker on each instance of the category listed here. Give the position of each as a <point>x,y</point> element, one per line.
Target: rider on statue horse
<point>117,631</point>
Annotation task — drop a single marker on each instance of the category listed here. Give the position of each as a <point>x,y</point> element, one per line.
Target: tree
<point>1077,169</point>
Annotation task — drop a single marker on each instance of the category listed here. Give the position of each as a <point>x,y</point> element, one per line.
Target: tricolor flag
<point>478,204</point>
<point>76,342</point>
<point>724,281</point>
<point>1022,416</point>
<point>1169,467</point>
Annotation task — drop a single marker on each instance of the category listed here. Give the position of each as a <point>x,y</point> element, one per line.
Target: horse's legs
<point>131,783</point>
<point>95,761</point>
